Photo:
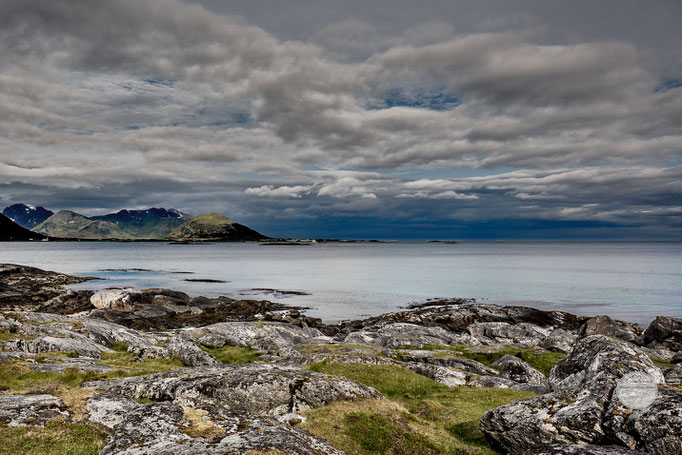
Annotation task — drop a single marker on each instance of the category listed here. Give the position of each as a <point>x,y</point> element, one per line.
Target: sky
<point>437,119</point>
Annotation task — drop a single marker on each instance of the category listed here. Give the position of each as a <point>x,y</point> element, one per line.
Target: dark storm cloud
<point>162,102</point>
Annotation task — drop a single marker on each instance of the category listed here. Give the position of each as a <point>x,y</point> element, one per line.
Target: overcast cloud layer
<point>439,119</point>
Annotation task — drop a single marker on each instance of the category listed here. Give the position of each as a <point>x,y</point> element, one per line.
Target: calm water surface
<point>631,281</point>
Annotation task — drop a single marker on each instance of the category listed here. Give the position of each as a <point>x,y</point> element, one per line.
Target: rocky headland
<point>156,371</point>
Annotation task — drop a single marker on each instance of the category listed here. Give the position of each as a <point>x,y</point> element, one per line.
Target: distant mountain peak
<point>26,215</point>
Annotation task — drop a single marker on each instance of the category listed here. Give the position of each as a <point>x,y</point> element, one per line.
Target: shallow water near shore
<point>628,280</point>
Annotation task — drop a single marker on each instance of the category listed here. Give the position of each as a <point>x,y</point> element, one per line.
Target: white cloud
<point>279,192</point>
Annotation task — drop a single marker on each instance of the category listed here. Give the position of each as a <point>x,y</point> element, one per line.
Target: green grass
<point>662,363</point>
<point>423,415</point>
<point>125,360</point>
<point>56,438</point>
<point>541,360</point>
<point>233,354</point>
<point>7,336</point>
<point>17,378</point>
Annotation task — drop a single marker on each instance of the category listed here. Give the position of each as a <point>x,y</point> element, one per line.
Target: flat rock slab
<point>34,410</point>
<point>109,410</point>
<point>61,364</point>
<point>256,389</point>
<point>166,428</point>
<point>266,336</point>
<point>80,346</point>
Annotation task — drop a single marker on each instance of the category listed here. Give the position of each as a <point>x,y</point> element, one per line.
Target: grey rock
<point>30,410</point>
<point>496,382</point>
<point>129,300</point>
<point>211,340</point>
<point>575,449</point>
<point>604,325</point>
<point>524,334</point>
<point>161,428</point>
<point>597,362</point>
<point>457,318</point>
<point>663,332</point>
<point>109,410</point>
<point>9,356</point>
<point>559,341</point>
<point>553,418</point>
<point>61,364</point>
<point>447,376</point>
<point>399,335</point>
<point>578,410</point>
<point>660,353</point>
<point>108,333</point>
<point>519,371</point>
<point>150,352</point>
<point>673,377</point>
<point>190,354</point>
<point>81,345</point>
<point>658,430</point>
<point>257,389</point>
<point>266,336</point>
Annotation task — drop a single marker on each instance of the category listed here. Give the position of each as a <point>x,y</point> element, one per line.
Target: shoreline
<point>115,363</point>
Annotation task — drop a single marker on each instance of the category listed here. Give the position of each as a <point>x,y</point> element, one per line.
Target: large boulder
<point>663,332</point>
<point>448,376</point>
<point>658,430</point>
<point>167,428</point>
<point>256,389</point>
<point>190,354</point>
<point>517,370</point>
<point>128,300</point>
<point>577,410</point>
<point>559,340</point>
<point>604,325</point>
<point>598,362</point>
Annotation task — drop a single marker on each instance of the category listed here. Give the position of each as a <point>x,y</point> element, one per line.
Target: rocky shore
<point>155,371</point>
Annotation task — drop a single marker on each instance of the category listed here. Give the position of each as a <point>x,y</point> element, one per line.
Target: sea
<point>632,281</point>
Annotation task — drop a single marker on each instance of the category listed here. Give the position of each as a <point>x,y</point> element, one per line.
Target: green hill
<point>153,223</point>
<point>67,224</point>
<point>9,230</point>
<point>214,226</point>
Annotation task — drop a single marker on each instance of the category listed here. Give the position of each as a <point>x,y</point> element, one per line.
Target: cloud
<point>544,116</point>
<point>281,191</point>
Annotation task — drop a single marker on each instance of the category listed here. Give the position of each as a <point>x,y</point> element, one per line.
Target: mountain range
<point>149,224</point>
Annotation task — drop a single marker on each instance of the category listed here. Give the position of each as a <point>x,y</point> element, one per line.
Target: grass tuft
<point>55,438</point>
<point>233,354</point>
